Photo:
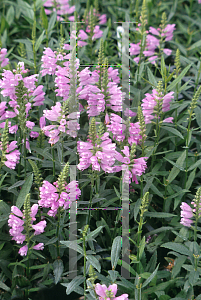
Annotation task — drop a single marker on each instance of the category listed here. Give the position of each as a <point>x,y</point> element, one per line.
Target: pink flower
<point>34,134</point>
<point>16,211</point>
<point>135,49</point>
<point>168,120</point>
<point>97,33</point>
<point>105,293</point>
<point>186,214</point>
<point>13,129</point>
<point>30,125</point>
<point>42,122</point>
<point>49,60</point>
<point>167,51</point>
<point>39,246</point>
<point>39,96</point>
<point>39,227</point>
<point>12,159</point>
<point>54,113</point>
<point>4,61</point>
<point>23,250</point>
<point>154,31</point>
<point>34,210</point>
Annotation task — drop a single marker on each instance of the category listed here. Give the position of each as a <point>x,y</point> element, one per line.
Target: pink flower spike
<point>23,250</point>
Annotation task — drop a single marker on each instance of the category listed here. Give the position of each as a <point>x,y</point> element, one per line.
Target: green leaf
<point>177,248</point>
<point>173,130</point>
<point>178,264</point>
<point>58,268</point>
<point>39,40</point>
<point>195,165</point>
<point>94,233</point>
<point>151,77</point>
<point>52,21</point>
<point>44,18</point>
<point>94,262</point>
<point>195,45</point>
<point>150,277</point>
<point>71,286</point>
<point>159,287</point>
<point>193,277</point>
<point>4,287</point>
<point>10,15</point>
<point>117,193</point>
<point>158,214</point>
<point>197,112</point>
<point>179,78</point>
<point>174,164</point>
<point>141,247</point>
<point>115,252</point>
<point>194,248</point>
<point>21,280</point>
<point>24,191</point>
<point>190,179</point>
<point>2,179</point>
<point>29,63</point>
<point>175,170</point>
<point>73,246</point>
<point>124,265</point>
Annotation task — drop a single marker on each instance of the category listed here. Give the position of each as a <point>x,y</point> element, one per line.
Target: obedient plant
<point>21,224</point>
<point>153,46</point>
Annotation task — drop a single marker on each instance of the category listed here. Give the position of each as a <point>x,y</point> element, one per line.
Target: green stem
<point>138,242</point>
<point>53,160</point>
<point>90,201</point>
<point>19,165</point>
<point>85,254</point>
<point>187,147</point>
<point>57,233</point>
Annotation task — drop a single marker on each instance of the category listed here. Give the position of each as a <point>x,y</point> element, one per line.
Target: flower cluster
<point>16,222</point>
<point>50,198</point>
<point>152,43</point>
<point>62,8</point>
<point>108,293</point>
<point>186,214</point>
<point>156,101</point>
<point>137,166</point>
<point>56,114</point>
<point>95,97</point>
<point>99,155</point>
<point>13,157</point>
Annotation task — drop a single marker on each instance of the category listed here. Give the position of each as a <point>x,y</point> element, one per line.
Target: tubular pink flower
<point>54,113</point>
<point>49,60</point>
<point>4,61</point>
<point>23,250</point>
<point>39,227</point>
<point>16,211</point>
<point>39,246</point>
